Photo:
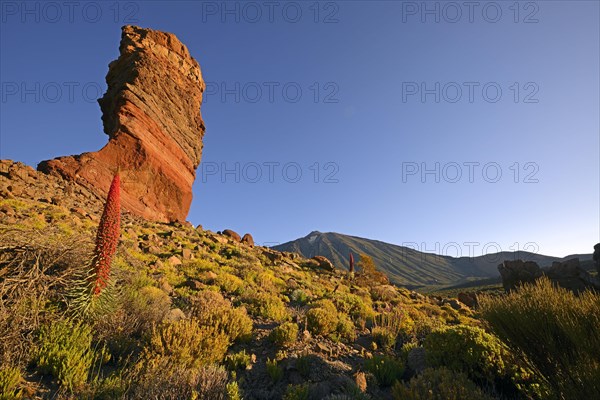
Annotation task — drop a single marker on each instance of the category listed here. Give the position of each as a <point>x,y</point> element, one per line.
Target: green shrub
<point>296,392</point>
<point>10,379</point>
<point>557,331</point>
<point>467,349</point>
<point>345,328</point>
<point>229,283</point>
<point>304,365</point>
<point>239,360</point>
<point>285,334</point>
<point>233,389</point>
<point>438,384</point>
<point>322,318</point>
<point>188,343</point>
<point>268,306</point>
<point>212,310</point>
<point>482,356</point>
<point>164,379</point>
<point>359,309</point>
<point>386,369</point>
<point>148,305</point>
<point>65,353</point>
<point>111,387</point>
<point>274,370</point>
<point>383,337</point>
<point>299,296</point>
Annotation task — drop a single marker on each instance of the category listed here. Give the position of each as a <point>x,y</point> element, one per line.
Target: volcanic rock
<point>517,272</point>
<point>232,234</point>
<point>248,240</point>
<point>324,263</point>
<point>151,113</point>
<point>570,275</point>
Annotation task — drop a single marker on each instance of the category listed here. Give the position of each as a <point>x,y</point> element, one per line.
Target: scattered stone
<point>570,275</point>
<point>174,260</point>
<point>186,254</point>
<point>165,286</point>
<point>360,380</point>
<point>194,284</point>
<point>517,272</point>
<point>596,257</point>
<point>468,298</point>
<point>248,240</point>
<point>273,256</point>
<point>324,263</point>
<point>232,234</point>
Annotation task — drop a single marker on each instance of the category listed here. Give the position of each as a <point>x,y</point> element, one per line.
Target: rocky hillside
<point>409,267</point>
<point>273,323</point>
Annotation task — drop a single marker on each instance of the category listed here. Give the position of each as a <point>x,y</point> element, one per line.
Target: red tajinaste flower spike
<point>351,269</point>
<point>107,237</point>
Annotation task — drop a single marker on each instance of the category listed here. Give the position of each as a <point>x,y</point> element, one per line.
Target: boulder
<point>517,272</point>
<point>232,235</point>
<point>273,256</point>
<point>570,275</point>
<point>468,298</point>
<point>324,263</point>
<point>596,258</point>
<point>151,114</point>
<point>248,240</point>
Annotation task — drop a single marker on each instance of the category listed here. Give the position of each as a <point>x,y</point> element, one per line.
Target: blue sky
<point>424,125</point>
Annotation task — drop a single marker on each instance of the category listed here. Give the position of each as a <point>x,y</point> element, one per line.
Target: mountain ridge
<point>409,267</point>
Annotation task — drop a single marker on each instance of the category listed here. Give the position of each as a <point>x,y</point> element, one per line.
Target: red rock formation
<point>151,113</point>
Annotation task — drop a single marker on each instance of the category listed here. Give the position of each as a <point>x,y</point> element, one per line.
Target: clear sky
<point>427,124</point>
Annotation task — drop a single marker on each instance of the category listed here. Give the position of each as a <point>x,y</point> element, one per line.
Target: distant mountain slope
<point>406,266</point>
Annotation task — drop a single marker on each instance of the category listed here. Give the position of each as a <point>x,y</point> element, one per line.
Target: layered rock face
<point>151,113</point>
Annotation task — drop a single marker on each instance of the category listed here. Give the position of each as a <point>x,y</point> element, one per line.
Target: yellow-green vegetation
<point>239,360</point>
<point>557,331</point>
<point>268,306</point>
<point>285,334</point>
<point>480,355</point>
<point>213,310</point>
<point>297,392</point>
<point>228,321</point>
<point>387,370</point>
<point>439,384</point>
<point>274,370</point>
<point>10,381</point>
<point>65,353</point>
<point>324,319</point>
<point>187,343</point>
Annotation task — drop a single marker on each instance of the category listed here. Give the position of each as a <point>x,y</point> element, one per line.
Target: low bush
<point>268,306</point>
<point>557,331</point>
<point>387,370</point>
<point>383,337</point>
<point>438,384</point>
<point>285,334</point>
<point>482,356</point>
<point>239,360</point>
<point>164,380</point>
<point>188,343</point>
<point>274,371</point>
<point>65,352</point>
<point>322,318</point>
<point>10,380</point>
<point>296,392</point>
<point>210,309</point>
